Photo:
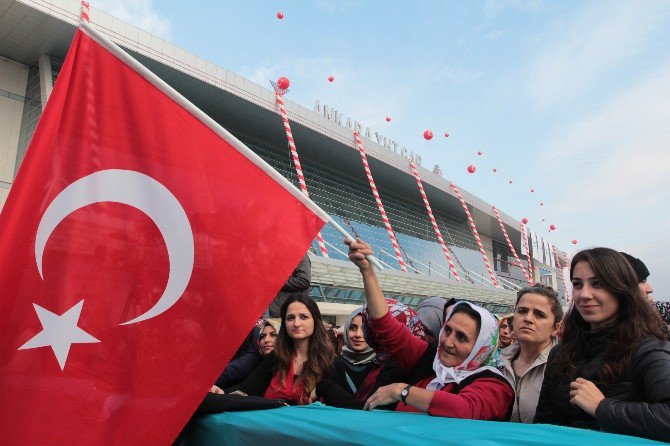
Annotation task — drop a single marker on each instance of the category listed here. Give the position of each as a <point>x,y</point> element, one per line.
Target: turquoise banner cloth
<point>323,425</point>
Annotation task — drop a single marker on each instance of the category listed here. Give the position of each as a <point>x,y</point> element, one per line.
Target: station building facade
<point>34,39</point>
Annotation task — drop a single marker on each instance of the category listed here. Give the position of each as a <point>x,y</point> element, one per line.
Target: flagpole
<point>173,94</point>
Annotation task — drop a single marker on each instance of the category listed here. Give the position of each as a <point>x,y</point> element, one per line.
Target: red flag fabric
<point>139,247</point>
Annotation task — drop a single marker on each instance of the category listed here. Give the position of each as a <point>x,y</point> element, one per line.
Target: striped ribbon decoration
<point>476,234</point>
<point>85,10</point>
<point>526,248</point>
<point>560,269</point>
<point>432,219</point>
<point>296,163</point>
<point>385,219</point>
<point>511,246</point>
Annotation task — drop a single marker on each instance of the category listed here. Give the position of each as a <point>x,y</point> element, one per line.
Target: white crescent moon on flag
<point>149,196</point>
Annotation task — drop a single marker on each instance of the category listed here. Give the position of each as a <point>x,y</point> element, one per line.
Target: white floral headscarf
<point>481,358</point>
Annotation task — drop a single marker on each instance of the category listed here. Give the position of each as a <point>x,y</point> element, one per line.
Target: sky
<point>569,98</point>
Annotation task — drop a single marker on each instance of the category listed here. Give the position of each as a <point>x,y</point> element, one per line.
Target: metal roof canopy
<point>27,33</point>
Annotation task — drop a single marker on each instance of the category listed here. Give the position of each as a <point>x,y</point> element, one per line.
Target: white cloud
<point>613,170</point>
<point>620,153</point>
<point>601,38</point>
<point>140,13</point>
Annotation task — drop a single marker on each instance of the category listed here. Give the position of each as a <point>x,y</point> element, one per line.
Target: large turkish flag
<point>139,243</point>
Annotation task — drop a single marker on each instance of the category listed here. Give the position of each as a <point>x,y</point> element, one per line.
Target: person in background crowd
<point>611,370</point>
<point>299,282</point>
<point>505,329</point>
<point>303,355</point>
<point>664,310</point>
<point>537,314</point>
<point>461,382</point>
<point>267,338</point>
<point>360,370</point>
<point>246,359</point>
<point>431,314</point>
<point>642,273</point>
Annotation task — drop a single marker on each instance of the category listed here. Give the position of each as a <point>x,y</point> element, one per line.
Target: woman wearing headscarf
<point>431,314</point>
<point>362,369</point>
<point>456,378</point>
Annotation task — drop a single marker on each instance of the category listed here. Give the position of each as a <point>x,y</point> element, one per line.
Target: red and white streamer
<point>526,248</point>
<point>296,163</point>
<point>85,11</point>
<point>560,269</point>
<point>494,279</point>
<point>378,200</point>
<point>432,220</point>
<point>511,246</point>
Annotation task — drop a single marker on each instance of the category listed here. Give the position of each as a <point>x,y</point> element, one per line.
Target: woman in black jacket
<point>612,369</point>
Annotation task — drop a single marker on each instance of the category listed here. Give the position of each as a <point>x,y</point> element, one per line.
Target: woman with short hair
<point>612,369</point>
<point>535,320</point>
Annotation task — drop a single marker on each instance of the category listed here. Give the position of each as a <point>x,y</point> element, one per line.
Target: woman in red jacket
<point>457,378</point>
<point>302,356</point>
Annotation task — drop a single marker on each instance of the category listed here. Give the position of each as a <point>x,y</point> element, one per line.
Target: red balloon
<point>479,153</point>
<point>280,15</point>
<point>388,119</point>
<point>524,221</point>
<point>552,227</point>
<point>510,181</point>
<point>495,170</point>
<point>574,242</point>
<point>532,190</point>
<point>472,168</point>
<point>283,83</point>
<point>331,78</point>
<point>428,135</point>
<point>446,135</point>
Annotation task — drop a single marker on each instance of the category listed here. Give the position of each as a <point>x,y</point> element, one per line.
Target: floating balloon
<point>543,219</point>
<point>283,83</point>
<point>446,135</point>
<point>331,78</point>
<point>388,119</point>
<point>532,190</point>
<point>428,135</point>
<point>542,204</point>
<point>495,170</point>
<point>510,181</point>
<point>574,242</point>
<point>280,15</point>
<point>472,168</point>
<point>524,221</point>
<point>479,153</point>
<point>552,227</point>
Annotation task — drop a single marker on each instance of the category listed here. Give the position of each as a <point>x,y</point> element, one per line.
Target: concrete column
<point>46,79</point>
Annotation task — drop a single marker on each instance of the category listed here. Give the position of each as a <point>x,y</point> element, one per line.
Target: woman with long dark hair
<point>302,356</point>
<point>612,368</point>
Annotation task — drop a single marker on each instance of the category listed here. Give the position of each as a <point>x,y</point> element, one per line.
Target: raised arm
<point>373,292</point>
<point>394,336</point>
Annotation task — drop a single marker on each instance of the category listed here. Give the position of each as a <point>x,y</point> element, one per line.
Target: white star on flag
<point>59,332</point>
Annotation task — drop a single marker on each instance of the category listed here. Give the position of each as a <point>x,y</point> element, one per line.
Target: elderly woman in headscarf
<point>455,378</point>
<point>362,369</point>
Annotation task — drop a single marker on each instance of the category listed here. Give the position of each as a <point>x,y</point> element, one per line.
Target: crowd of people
<point>604,365</point>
